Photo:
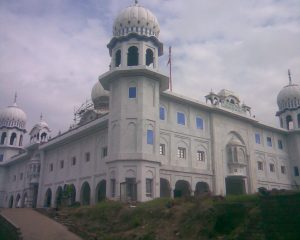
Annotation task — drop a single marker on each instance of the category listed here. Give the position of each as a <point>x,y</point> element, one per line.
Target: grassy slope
<point>242,217</point>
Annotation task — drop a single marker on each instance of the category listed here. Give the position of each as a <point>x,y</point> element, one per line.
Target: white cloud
<point>52,52</point>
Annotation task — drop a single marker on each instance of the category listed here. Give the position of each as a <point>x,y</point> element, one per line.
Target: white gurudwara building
<point>136,141</point>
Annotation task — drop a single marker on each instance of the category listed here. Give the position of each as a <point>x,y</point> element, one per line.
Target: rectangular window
<point>257,138</point>
<point>280,145</point>
<point>272,167</point>
<point>149,187</point>
<point>269,141</point>
<point>199,122</point>
<point>73,161</point>
<point>201,156</point>
<point>21,176</point>
<point>283,170</point>
<point>150,137</point>
<point>113,187</point>
<point>162,149</point>
<point>104,151</point>
<point>51,167</point>
<point>180,118</point>
<point>296,171</point>
<point>132,92</point>
<point>260,166</point>
<point>87,157</point>
<point>162,113</point>
<point>1,157</point>
<point>181,152</point>
<point>62,164</point>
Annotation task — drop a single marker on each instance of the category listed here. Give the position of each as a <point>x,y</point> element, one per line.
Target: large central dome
<point>289,97</point>
<point>136,19</point>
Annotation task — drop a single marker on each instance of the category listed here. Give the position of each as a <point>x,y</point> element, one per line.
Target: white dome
<point>100,97</point>
<point>13,116</point>
<point>136,19</point>
<point>289,97</point>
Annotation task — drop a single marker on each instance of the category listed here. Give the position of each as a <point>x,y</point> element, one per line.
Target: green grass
<point>244,217</point>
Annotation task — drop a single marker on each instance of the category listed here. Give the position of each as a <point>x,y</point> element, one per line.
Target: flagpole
<point>170,62</point>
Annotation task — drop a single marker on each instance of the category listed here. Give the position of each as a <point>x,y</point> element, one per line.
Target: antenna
<point>290,77</point>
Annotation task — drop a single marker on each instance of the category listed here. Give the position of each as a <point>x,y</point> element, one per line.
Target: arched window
<point>43,136</point>
<point>289,122</point>
<point>21,140</point>
<point>3,137</point>
<point>118,58</point>
<point>133,56</point>
<point>149,57</point>
<point>13,138</point>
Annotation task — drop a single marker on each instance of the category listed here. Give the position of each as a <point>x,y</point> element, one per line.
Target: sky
<point>52,51</point>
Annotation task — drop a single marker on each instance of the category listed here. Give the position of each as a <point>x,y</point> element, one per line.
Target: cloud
<point>52,52</point>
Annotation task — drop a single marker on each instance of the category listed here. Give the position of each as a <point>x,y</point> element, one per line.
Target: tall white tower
<point>12,130</point>
<point>288,101</point>
<point>135,84</point>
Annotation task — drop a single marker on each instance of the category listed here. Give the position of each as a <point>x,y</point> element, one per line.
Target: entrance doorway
<point>182,189</point>
<point>235,186</point>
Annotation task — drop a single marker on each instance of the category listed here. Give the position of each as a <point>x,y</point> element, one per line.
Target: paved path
<point>35,226</point>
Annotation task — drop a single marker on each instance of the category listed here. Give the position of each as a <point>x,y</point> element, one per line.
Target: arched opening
<point>298,118</point>
<point>133,56</point>
<point>72,193</point>
<point>149,57</point>
<point>118,58</point>
<point>18,201</point>
<point>58,196</point>
<point>289,122</point>
<point>201,188</point>
<point>3,137</point>
<point>281,123</point>
<point>21,140</point>
<point>13,139</point>
<point>11,201</point>
<point>48,198</point>
<point>235,185</point>
<point>101,191</point>
<point>182,189</point>
<point>85,194</point>
<point>24,200</point>
<point>165,189</point>
<point>43,137</point>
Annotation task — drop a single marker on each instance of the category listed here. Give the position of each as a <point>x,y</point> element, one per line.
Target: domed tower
<point>135,84</point>
<point>12,130</point>
<point>288,101</point>
<point>40,133</point>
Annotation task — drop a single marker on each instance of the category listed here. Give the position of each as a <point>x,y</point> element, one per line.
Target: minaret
<point>135,84</point>
<point>288,101</point>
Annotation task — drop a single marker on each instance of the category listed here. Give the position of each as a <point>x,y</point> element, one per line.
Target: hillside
<point>273,216</point>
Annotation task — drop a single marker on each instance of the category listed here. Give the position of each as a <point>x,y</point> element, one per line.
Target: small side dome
<point>13,117</point>
<point>40,132</point>
<point>289,97</point>
<point>100,97</point>
<point>229,96</point>
<point>136,19</point>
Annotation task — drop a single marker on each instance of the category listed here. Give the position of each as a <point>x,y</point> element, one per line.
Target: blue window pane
<point>162,113</point>
<point>199,123</point>
<point>149,136</point>
<point>296,171</point>
<point>257,138</point>
<point>132,92</point>
<point>180,118</point>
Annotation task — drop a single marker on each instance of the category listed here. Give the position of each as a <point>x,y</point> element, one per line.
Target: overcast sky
<point>52,51</point>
